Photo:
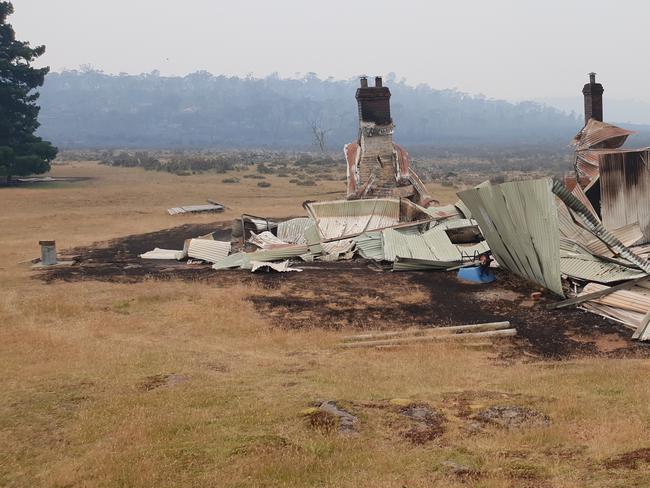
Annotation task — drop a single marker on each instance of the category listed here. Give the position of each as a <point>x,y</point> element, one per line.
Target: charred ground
<point>356,294</point>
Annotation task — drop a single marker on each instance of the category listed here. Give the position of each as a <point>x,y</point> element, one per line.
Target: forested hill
<point>92,109</point>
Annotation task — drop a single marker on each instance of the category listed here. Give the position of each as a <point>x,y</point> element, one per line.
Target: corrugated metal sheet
<point>370,246</point>
<point>195,209</point>
<point>624,299</point>
<point>625,189</point>
<point>237,260</point>
<point>313,239</point>
<point>520,223</point>
<point>243,259</point>
<point>464,209</point>
<point>592,269</point>
<point>600,134</point>
<point>444,212</point>
<point>338,248</point>
<point>591,223</point>
<point>282,267</point>
<point>208,250</point>
<point>629,235</point>
<point>630,319</point>
<point>433,245</point>
<point>341,217</point>
<point>266,240</point>
<point>159,253</point>
<point>408,264</point>
<point>293,230</point>
<point>594,138</point>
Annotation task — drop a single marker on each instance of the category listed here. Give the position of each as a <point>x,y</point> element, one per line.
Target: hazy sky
<point>513,49</point>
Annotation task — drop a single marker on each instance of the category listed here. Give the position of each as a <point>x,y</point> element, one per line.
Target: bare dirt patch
<point>427,424</point>
<point>352,294</point>
<point>160,380</point>
<point>512,417</point>
<point>630,460</point>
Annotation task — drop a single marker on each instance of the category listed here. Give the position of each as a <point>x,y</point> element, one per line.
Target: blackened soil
<point>353,294</point>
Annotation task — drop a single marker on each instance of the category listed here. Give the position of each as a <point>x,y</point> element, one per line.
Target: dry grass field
<point>174,383</point>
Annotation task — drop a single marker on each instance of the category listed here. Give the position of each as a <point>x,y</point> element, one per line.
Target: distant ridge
<point>200,110</point>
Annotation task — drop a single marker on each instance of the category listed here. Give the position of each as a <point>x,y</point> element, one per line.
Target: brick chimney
<point>374,102</point>
<point>593,93</point>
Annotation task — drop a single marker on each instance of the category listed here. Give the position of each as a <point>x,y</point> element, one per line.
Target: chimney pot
<point>364,82</point>
<point>378,83</point>
<point>592,78</point>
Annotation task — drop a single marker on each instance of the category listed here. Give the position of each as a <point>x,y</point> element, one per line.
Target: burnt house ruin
<point>616,181</point>
<point>376,166</point>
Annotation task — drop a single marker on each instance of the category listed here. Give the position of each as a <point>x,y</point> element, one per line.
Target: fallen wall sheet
<point>624,189</point>
<point>159,253</point>
<point>589,268</point>
<point>243,259</point>
<point>293,230</point>
<point>593,225</point>
<point>281,267</point>
<point>207,250</point>
<point>631,320</point>
<point>341,218</point>
<point>266,240</point>
<point>433,247</point>
<point>629,307</point>
<point>629,235</point>
<point>519,221</point>
<point>370,246</point>
<point>210,207</point>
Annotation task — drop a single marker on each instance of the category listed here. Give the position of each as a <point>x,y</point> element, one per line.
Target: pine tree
<point>21,151</point>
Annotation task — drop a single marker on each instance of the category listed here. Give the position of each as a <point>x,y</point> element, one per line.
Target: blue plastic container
<point>473,274</point>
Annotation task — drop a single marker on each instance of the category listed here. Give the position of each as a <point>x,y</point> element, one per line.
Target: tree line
<point>88,108</point>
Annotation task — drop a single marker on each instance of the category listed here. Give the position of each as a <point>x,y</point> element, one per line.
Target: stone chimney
<point>374,102</point>
<point>593,93</point>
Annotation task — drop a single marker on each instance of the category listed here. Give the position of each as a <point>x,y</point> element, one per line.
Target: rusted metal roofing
<point>596,134</point>
<point>520,223</point>
<point>591,143</point>
<point>625,189</point>
<point>593,225</point>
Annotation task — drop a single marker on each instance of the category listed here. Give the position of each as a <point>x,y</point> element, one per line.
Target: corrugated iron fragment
<point>281,267</point>
<point>591,223</point>
<point>208,250</point>
<point>520,224</point>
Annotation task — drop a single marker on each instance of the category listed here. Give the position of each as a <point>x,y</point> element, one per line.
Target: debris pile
<point>394,231</point>
<point>587,240</point>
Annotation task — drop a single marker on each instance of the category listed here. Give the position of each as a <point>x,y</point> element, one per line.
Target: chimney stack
<point>593,93</point>
<point>374,102</point>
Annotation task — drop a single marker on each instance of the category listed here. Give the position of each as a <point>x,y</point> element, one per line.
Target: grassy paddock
<point>86,400</point>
